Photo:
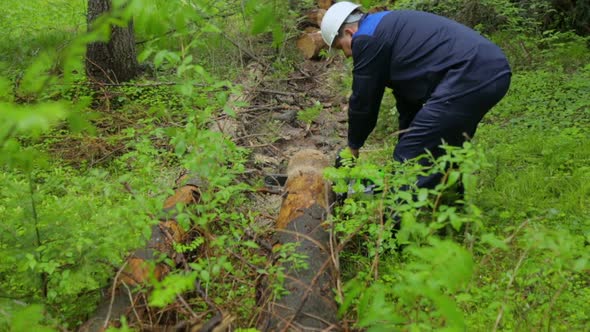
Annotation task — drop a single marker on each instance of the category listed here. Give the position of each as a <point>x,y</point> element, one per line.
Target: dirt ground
<point>277,123</point>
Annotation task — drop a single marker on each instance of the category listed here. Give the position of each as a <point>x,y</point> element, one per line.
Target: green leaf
<point>180,147</point>
<point>145,54</point>
<point>455,221</point>
<point>250,244</point>
<point>208,27</point>
<point>229,111</point>
<point>6,94</point>
<point>494,241</point>
<point>422,194</point>
<point>205,276</point>
<point>448,309</point>
<point>580,264</point>
<point>453,177</point>
<point>159,58</point>
<point>173,285</point>
<point>262,20</point>
<point>29,318</point>
<point>405,196</point>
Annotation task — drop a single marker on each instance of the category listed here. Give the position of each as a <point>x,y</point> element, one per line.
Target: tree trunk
<point>116,60</point>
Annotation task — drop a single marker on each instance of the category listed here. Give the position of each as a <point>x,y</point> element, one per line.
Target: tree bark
<point>325,4</point>
<point>141,266</point>
<point>313,18</point>
<point>116,60</point>
<point>310,304</point>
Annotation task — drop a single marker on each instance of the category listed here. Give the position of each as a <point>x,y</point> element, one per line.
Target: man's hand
<point>354,152</point>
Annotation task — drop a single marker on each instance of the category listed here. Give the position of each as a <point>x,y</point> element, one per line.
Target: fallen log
<point>325,4</point>
<point>311,43</point>
<point>313,18</point>
<point>142,265</point>
<point>309,304</point>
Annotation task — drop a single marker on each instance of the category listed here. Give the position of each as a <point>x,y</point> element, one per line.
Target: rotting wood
<point>310,304</point>
<point>316,16</point>
<point>141,266</point>
<point>313,18</point>
<point>325,4</point>
<point>311,44</point>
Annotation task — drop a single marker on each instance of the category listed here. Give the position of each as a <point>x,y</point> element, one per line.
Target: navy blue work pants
<point>453,121</point>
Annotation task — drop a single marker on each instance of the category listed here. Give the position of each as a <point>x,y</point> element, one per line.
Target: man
<point>445,77</point>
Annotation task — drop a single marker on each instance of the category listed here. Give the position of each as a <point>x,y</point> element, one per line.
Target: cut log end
<point>311,44</point>
<point>307,159</point>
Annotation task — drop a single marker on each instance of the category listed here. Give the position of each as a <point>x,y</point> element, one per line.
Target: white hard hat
<point>334,18</point>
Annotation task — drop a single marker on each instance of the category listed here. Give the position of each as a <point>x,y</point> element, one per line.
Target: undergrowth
<point>516,254</point>
<point>84,173</point>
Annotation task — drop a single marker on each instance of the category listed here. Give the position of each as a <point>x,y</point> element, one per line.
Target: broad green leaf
<point>262,20</point>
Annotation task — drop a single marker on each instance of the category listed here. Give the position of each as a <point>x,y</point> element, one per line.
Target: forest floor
<point>300,111</point>
<point>102,161</point>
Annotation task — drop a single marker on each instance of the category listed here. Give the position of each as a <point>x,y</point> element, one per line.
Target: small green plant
<point>419,290</point>
<point>310,114</point>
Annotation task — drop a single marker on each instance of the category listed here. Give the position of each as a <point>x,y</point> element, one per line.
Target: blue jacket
<point>421,56</point>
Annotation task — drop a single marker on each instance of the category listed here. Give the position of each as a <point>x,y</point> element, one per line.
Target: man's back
<point>419,52</point>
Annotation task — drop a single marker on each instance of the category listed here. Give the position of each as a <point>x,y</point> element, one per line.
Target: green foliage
<point>29,31</point>
<point>30,319</point>
<point>521,28</point>
<point>67,229</point>
<point>484,15</point>
<point>517,246</point>
<point>416,292</point>
<point>552,49</point>
<point>512,255</point>
<point>538,152</point>
<point>269,16</point>
<point>50,254</point>
<point>522,16</point>
<point>310,114</point>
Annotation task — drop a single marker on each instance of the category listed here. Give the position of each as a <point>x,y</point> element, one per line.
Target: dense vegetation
<point>84,171</point>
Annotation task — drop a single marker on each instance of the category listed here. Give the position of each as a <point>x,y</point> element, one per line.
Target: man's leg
<point>452,121</point>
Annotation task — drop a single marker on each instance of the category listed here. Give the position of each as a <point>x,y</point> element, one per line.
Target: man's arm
<point>368,85</point>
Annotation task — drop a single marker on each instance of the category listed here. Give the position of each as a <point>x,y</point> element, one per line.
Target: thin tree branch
<point>37,233</point>
<point>512,277</point>
<point>108,318</point>
<point>241,48</point>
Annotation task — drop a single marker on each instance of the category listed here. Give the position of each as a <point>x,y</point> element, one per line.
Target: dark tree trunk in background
<point>116,60</point>
<point>575,14</point>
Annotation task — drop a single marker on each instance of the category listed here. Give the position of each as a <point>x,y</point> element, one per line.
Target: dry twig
<point>114,288</point>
